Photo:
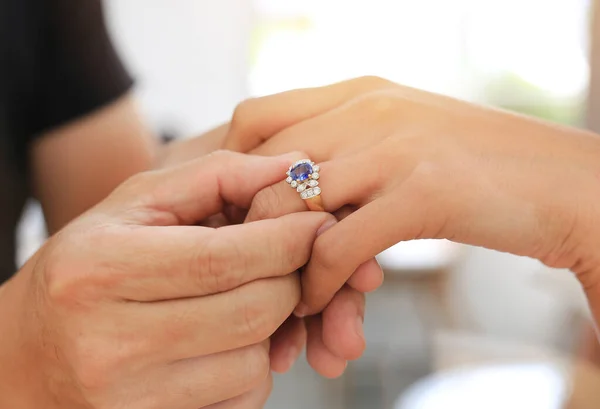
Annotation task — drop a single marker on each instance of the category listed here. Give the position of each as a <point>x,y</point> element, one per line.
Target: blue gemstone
<point>301,172</point>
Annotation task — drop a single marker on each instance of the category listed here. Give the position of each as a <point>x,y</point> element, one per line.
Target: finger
<point>338,190</point>
<point>186,328</point>
<point>256,120</point>
<point>189,261</point>
<point>287,344</point>
<point>254,399</point>
<point>275,201</point>
<point>343,320</point>
<point>279,199</point>
<point>178,152</point>
<point>350,128</point>
<point>198,189</point>
<point>337,254</point>
<point>199,382</point>
<point>318,355</point>
<point>367,277</point>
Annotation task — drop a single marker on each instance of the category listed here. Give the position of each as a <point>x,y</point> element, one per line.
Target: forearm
<point>79,164</point>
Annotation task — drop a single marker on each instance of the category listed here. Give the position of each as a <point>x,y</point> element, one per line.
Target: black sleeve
<point>79,70</point>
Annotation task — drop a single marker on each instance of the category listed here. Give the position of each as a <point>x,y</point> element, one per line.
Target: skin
<point>105,329</point>
<point>340,321</point>
<point>73,168</point>
<point>407,164</point>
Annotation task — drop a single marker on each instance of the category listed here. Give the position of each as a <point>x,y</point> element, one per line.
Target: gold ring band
<point>315,204</point>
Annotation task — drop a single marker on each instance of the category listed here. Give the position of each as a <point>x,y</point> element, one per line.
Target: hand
<point>343,322</point>
<point>337,336</point>
<point>181,151</point>
<point>131,305</point>
<point>419,165</point>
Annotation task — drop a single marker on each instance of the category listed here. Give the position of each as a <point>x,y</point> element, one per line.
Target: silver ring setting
<point>303,175</point>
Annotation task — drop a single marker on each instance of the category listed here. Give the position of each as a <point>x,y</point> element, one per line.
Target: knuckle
<point>93,367</point>
<point>58,288</point>
<point>98,361</point>
<point>214,265</point>
<point>63,275</point>
<point>224,159</point>
<point>137,189</point>
<point>138,182</point>
<point>72,280</point>
<point>373,82</point>
<point>222,155</point>
<point>257,320</point>
<point>265,204</point>
<point>98,357</point>
<point>289,251</point>
<point>93,377</point>
<point>325,253</point>
<point>243,113</point>
<point>256,364</point>
<point>382,104</point>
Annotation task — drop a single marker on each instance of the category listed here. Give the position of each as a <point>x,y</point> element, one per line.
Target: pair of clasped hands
<point>181,290</point>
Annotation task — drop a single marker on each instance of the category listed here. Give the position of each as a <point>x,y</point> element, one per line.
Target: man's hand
<point>132,305</point>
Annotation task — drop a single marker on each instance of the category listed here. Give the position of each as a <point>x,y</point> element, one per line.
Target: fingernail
<point>358,327</point>
<point>326,226</point>
<point>301,310</point>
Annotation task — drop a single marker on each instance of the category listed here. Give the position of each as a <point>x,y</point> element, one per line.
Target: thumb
<point>191,192</point>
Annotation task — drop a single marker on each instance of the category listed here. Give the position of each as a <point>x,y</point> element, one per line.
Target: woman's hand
<point>418,165</point>
<point>180,151</point>
<point>133,305</point>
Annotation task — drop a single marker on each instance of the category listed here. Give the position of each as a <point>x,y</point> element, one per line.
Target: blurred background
<point>453,326</point>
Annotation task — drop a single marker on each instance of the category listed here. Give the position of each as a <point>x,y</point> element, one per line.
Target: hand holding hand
<point>419,165</point>
<point>343,322</point>
<point>132,305</point>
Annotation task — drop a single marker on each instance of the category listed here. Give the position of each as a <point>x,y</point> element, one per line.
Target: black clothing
<point>56,64</point>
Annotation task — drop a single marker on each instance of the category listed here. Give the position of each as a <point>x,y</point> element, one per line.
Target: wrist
<point>576,203</point>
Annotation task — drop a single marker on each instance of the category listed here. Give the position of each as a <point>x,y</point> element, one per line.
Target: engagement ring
<point>303,176</point>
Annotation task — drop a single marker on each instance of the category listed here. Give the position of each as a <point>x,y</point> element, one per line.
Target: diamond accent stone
<point>315,175</point>
<point>294,183</point>
<point>301,188</point>
<point>289,180</point>
<point>312,192</point>
<point>312,183</point>
<point>316,168</point>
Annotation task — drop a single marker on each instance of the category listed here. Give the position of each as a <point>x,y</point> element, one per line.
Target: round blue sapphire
<point>301,172</point>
